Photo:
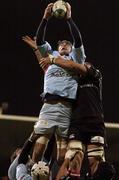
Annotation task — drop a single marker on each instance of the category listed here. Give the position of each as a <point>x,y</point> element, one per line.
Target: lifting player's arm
<point>83,69</point>
<point>41,31</point>
<point>74,31</point>
<point>40,35</point>
<point>66,64</point>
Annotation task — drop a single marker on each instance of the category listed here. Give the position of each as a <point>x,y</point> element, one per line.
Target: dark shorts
<point>85,128</point>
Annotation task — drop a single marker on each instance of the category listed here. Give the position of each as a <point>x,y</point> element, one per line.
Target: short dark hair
<point>64,41</point>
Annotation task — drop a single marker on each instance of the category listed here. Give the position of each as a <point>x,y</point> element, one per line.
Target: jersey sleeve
<point>78,54</point>
<point>92,71</point>
<point>45,48</point>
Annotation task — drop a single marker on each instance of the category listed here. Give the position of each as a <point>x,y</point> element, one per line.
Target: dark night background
<point>21,79</point>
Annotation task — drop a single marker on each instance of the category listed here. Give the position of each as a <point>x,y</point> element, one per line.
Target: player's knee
<point>33,137</point>
<point>96,154</point>
<point>42,140</point>
<point>96,149</point>
<point>40,145</point>
<point>39,148</point>
<point>74,147</point>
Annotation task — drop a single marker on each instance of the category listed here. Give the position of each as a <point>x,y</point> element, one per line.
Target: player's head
<point>64,47</point>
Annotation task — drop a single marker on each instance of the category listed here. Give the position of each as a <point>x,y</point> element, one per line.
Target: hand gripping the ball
<point>68,12</point>
<point>48,11</point>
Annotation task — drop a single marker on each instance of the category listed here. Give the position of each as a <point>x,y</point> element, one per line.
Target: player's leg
<point>39,147</point>
<point>73,161</point>
<point>61,149</point>
<point>99,168</point>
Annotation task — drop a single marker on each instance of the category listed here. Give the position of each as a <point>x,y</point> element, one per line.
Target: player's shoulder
<point>92,70</point>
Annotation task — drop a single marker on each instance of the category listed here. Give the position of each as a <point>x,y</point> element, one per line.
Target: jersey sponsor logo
<point>59,73</point>
<point>43,122</point>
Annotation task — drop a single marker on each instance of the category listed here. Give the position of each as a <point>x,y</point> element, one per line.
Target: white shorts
<point>54,118</point>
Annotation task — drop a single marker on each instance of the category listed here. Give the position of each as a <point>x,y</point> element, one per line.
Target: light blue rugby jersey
<point>57,80</point>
